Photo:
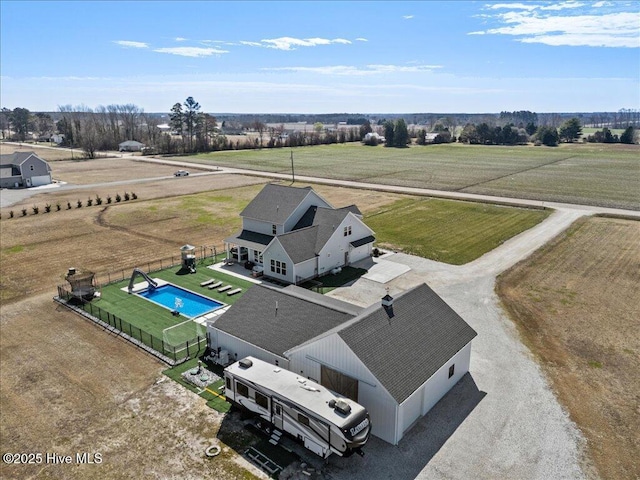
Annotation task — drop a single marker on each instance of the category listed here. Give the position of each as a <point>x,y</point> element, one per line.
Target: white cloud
<point>602,4</point>
<point>251,44</point>
<point>360,39</point>
<point>516,6</point>
<point>562,6</point>
<point>180,39</point>
<point>130,44</point>
<point>350,70</point>
<point>609,30</point>
<point>290,43</point>
<point>408,17</point>
<point>191,51</point>
<point>532,6</point>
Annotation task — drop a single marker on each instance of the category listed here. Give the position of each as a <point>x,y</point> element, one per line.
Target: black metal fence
<point>205,255</point>
<point>171,354</point>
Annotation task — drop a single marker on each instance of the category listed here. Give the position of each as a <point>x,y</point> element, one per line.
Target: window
<point>278,410</point>
<point>228,383</point>
<point>242,389</point>
<point>274,230</point>
<point>31,168</point>
<point>262,401</point>
<point>278,267</point>
<point>451,370</point>
<point>257,256</point>
<point>303,419</point>
<point>347,231</point>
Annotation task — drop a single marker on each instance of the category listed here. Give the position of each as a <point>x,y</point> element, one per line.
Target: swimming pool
<point>187,303</point>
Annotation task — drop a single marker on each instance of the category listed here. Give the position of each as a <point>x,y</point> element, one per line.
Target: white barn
<point>397,358</point>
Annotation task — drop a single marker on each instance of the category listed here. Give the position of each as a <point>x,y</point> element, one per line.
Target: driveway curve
<point>513,426</point>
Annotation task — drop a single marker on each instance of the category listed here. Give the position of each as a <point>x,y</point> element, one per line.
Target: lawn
<point>593,174</point>
<point>448,231</point>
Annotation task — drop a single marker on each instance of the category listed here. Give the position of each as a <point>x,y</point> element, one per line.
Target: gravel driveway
<point>501,420</point>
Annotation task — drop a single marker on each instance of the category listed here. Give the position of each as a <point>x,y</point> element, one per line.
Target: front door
<point>276,414</point>
<point>346,258</point>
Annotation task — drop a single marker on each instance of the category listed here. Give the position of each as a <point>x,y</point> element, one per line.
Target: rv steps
<point>275,437</point>
<point>262,461</point>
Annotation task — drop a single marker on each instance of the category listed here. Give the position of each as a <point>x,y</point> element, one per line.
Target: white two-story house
<point>296,235</point>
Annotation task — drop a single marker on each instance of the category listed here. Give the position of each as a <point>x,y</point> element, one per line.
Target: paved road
<point>502,420</point>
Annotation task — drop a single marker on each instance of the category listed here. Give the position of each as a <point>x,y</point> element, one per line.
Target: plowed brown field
<point>576,304</point>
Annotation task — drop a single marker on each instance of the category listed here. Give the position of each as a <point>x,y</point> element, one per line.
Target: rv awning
<point>253,240</point>
<point>363,241</point>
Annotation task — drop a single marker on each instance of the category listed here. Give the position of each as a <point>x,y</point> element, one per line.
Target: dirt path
<point>518,429</point>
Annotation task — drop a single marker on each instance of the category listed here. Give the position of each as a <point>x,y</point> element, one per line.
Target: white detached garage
<point>396,358</point>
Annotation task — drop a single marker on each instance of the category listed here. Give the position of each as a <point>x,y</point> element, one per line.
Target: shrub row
<point>79,204</point>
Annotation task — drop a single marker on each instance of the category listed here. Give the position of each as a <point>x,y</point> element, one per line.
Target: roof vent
<point>245,363</point>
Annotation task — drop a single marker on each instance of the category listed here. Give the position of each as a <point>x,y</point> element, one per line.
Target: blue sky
<point>322,57</point>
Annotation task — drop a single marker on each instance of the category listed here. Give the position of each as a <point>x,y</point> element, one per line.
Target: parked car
<point>181,173</point>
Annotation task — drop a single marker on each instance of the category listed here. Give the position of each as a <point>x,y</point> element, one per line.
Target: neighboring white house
<point>295,235</point>
<point>397,358</point>
<point>57,138</point>
<point>371,135</point>
<point>130,146</point>
<point>23,169</point>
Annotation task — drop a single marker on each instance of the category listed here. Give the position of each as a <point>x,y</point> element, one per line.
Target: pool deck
<point>235,270</point>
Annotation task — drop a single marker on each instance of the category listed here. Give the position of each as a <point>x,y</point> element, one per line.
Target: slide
<point>137,271</point>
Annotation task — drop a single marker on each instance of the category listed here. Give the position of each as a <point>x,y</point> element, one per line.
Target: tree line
<point>191,130</point>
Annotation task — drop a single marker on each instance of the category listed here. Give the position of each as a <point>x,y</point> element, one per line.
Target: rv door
<point>276,413</point>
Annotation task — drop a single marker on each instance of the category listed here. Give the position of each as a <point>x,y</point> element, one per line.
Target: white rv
<point>324,422</point>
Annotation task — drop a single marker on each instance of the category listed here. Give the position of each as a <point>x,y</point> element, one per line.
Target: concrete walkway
<point>502,421</point>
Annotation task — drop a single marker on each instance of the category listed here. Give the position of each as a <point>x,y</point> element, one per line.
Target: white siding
<point>238,349</point>
<point>425,397</point>
<point>260,227</point>
<point>332,254</point>
<point>312,199</point>
<point>307,269</point>
<point>276,252</point>
<point>334,353</point>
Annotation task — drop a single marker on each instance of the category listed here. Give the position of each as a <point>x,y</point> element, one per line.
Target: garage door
<point>40,180</point>
<point>339,382</point>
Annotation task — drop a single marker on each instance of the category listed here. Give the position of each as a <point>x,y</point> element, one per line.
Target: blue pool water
<point>175,298</point>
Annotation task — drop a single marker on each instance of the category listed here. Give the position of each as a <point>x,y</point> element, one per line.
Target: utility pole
<point>293,173</point>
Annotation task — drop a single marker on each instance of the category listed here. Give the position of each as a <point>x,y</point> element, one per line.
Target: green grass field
<point>154,319</point>
<point>448,231</point>
<point>593,174</point>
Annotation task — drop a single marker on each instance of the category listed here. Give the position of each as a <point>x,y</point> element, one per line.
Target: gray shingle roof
<point>253,318</point>
<point>312,232</point>
<point>275,203</point>
<point>300,245</point>
<point>250,239</point>
<point>405,345</point>
<point>325,216</point>
<point>15,158</point>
